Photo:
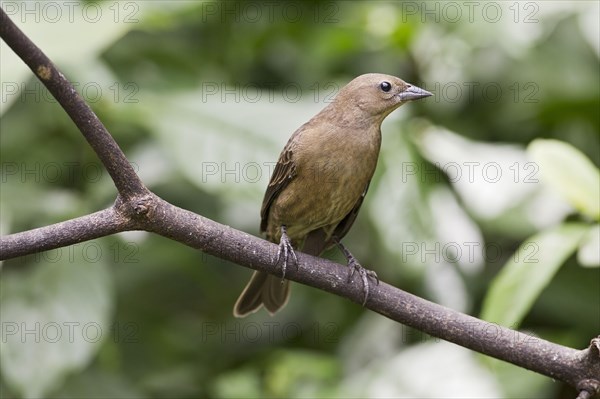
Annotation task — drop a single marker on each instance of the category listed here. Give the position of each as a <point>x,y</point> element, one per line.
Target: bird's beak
<point>413,93</point>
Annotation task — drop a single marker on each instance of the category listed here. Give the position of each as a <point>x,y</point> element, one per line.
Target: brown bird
<point>320,181</point>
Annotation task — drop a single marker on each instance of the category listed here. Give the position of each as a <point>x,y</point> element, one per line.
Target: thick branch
<point>85,228</point>
<point>127,182</point>
<point>122,216</point>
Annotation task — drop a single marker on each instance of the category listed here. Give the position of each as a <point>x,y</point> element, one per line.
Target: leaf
<point>300,373</point>
<point>399,373</point>
<point>589,251</point>
<point>569,172</point>
<point>528,272</point>
<point>54,317</point>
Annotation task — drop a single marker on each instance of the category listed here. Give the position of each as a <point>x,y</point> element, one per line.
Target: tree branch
<point>85,228</point>
<point>136,208</point>
<point>122,216</point>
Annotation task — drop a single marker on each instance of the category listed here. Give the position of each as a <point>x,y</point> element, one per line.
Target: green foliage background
<point>201,97</point>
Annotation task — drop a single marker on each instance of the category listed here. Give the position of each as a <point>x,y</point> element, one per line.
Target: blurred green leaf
<point>589,251</point>
<point>573,175</point>
<point>517,382</point>
<point>55,316</point>
<point>528,271</point>
<point>301,373</point>
<point>288,373</point>
<point>400,374</point>
<point>239,383</point>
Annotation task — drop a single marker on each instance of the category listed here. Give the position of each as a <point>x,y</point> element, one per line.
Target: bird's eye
<point>385,86</point>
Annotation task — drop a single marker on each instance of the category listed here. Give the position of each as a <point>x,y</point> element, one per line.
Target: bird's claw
<point>285,249</point>
<point>364,274</point>
<point>356,267</point>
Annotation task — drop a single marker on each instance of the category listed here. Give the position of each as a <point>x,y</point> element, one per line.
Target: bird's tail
<point>262,289</point>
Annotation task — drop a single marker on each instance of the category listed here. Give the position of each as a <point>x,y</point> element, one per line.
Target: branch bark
<point>85,228</point>
<point>136,208</point>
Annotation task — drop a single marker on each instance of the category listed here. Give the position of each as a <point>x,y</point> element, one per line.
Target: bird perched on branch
<point>320,181</point>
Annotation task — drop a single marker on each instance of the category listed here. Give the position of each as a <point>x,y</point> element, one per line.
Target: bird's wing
<point>284,172</point>
<point>317,241</point>
<point>347,222</point>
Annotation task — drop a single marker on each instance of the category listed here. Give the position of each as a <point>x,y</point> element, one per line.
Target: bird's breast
<point>332,174</point>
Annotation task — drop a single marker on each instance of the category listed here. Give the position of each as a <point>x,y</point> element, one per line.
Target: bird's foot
<point>364,274</point>
<point>285,250</point>
<point>356,267</point>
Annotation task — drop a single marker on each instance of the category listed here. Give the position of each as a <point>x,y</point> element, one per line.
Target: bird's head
<point>376,95</point>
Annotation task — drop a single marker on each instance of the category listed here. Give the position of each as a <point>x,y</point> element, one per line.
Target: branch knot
<point>141,206</point>
<point>589,386</point>
<point>135,208</point>
<point>595,345</point>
